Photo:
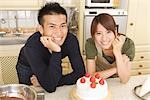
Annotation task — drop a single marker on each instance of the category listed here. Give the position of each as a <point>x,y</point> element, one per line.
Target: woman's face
<point>103,37</point>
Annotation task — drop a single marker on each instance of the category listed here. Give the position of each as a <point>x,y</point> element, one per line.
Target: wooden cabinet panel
<point>8,59</point>
<point>140,72</point>
<point>140,56</point>
<point>138,30</point>
<point>140,64</point>
<point>66,66</point>
<point>138,22</point>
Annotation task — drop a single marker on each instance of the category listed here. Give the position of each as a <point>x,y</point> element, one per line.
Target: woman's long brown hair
<point>106,21</point>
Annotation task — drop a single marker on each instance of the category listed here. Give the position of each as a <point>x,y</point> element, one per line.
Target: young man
<point>40,58</point>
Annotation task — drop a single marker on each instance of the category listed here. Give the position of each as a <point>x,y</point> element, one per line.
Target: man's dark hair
<point>50,9</point>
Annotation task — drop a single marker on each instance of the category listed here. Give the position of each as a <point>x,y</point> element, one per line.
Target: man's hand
<point>50,44</point>
<point>34,81</point>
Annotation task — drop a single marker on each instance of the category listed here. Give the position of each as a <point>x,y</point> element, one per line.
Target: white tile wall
<point>5,24</point>
<point>12,23</point>
<point>4,14</point>
<point>22,22</point>
<point>12,14</point>
<point>21,15</point>
<point>25,19</point>
<point>29,22</point>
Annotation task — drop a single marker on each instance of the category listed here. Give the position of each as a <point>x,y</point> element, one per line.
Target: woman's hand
<point>125,58</point>
<point>50,44</point>
<point>117,44</point>
<point>34,81</point>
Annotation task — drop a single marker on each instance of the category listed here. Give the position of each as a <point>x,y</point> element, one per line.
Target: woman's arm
<point>91,68</point>
<point>123,63</point>
<point>123,67</point>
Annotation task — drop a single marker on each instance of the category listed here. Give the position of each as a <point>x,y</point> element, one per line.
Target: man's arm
<point>76,61</point>
<point>45,66</point>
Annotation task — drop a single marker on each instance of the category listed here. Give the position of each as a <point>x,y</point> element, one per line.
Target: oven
<point>102,3</point>
<point>120,17</point>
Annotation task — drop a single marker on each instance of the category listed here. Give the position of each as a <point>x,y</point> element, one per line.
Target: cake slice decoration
<point>82,80</point>
<point>87,75</point>
<point>97,76</point>
<point>92,79</point>
<point>101,81</point>
<point>93,85</point>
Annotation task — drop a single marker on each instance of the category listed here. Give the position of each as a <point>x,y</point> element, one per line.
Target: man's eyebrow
<point>56,24</point>
<point>64,23</point>
<point>51,24</point>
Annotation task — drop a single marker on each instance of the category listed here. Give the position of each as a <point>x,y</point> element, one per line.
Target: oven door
<point>99,3</point>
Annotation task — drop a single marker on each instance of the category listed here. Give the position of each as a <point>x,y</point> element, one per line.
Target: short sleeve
<point>90,49</point>
<point>129,49</point>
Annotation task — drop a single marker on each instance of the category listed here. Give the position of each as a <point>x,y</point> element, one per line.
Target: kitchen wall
<point>25,18</point>
<point>9,19</point>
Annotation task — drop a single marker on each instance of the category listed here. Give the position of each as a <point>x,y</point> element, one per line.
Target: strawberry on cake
<point>91,87</point>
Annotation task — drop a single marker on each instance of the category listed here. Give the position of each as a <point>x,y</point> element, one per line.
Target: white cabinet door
<point>20,4</point>
<point>139,22</point>
<point>138,29</point>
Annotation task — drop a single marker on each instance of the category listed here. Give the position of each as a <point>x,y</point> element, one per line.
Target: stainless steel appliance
<point>120,16</point>
<point>17,92</point>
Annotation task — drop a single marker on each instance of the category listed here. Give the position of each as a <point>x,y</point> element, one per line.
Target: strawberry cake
<point>91,87</point>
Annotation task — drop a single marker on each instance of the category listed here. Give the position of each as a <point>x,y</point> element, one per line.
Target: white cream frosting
<point>85,92</point>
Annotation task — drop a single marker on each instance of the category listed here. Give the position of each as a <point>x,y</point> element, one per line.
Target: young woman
<point>108,52</point>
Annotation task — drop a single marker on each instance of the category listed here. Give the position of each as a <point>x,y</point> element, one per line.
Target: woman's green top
<point>103,62</point>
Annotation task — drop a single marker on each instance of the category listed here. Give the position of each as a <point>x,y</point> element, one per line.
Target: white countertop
<point>125,91</point>
<point>24,37</point>
<point>13,40</point>
<point>118,91</point>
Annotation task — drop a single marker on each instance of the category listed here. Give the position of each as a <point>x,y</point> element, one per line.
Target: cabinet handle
<point>142,57</point>
<point>140,65</point>
<point>139,73</point>
<point>131,24</point>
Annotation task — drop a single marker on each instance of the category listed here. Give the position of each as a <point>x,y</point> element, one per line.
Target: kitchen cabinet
<point>81,24</point>
<point>80,5</point>
<point>8,59</point>
<point>138,30</point>
<point>20,4</point>
<point>66,66</point>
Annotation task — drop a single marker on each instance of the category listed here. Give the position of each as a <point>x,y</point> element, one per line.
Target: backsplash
<point>13,19</point>
<point>26,20</point>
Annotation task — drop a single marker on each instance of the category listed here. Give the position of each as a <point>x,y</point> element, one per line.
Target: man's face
<point>55,26</point>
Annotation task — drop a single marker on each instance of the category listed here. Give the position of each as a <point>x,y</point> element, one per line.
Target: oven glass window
<point>100,1</point>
